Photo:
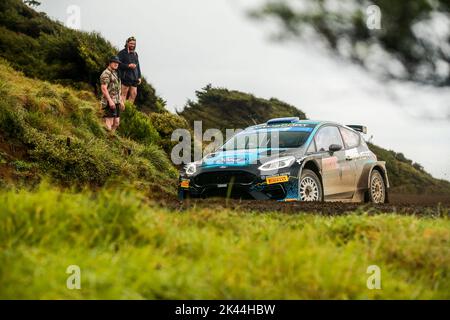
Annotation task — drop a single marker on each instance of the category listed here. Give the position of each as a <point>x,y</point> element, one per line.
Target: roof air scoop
<point>283,120</point>
<point>360,128</point>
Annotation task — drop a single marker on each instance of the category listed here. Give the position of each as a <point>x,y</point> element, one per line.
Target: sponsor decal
<point>352,154</point>
<point>277,179</point>
<point>306,126</point>
<point>330,163</point>
<point>184,184</point>
<point>230,160</point>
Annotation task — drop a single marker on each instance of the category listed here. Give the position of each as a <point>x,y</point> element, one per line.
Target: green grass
<point>127,247</point>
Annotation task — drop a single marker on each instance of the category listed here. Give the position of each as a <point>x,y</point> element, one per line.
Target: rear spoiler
<point>362,129</point>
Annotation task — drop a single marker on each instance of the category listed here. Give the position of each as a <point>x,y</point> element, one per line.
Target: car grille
<point>224,177</point>
<point>235,193</point>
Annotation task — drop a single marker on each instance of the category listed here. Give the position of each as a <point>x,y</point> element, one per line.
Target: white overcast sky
<point>186,44</point>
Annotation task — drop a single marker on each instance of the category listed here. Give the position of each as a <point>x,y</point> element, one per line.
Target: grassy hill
<point>222,108</point>
<point>53,132</point>
<point>45,49</point>
<point>409,177</point>
<point>50,126</point>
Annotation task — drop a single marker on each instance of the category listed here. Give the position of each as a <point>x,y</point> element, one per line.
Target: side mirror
<point>334,147</point>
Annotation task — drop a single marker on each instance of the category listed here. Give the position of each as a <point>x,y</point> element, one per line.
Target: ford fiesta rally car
<point>288,159</point>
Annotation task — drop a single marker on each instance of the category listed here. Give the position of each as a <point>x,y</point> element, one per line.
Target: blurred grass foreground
<point>129,248</point>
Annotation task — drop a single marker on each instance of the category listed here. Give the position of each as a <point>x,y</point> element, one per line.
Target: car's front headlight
<point>276,164</point>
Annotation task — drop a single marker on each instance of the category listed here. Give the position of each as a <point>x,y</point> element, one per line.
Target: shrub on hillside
<point>158,158</point>
<point>165,124</point>
<point>74,161</point>
<point>11,122</point>
<point>137,126</point>
<point>221,108</point>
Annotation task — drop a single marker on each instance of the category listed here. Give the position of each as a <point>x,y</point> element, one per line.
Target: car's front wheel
<point>377,188</point>
<point>309,186</point>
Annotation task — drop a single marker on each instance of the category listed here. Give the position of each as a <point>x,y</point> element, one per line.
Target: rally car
<point>288,159</point>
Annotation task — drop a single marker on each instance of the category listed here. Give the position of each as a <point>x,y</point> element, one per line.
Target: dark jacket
<point>127,75</point>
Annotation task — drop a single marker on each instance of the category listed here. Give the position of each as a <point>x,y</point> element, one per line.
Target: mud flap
<point>258,195</point>
<point>291,188</point>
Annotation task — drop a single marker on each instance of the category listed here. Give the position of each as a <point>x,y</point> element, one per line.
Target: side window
<point>351,139</point>
<point>327,136</point>
<point>312,147</point>
<point>364,144</point>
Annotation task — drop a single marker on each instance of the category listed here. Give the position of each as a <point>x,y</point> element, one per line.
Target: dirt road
<point>401,204</point>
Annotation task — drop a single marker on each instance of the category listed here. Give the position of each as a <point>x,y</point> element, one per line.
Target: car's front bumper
<point>244,183</point>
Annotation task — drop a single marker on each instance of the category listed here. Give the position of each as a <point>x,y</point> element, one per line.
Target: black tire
<point>377,188</point>
<point>309,187</point>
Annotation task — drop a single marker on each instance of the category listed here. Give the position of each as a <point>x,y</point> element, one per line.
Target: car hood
<point>245,157</point>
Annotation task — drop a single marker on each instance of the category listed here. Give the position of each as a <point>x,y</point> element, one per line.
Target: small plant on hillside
<point>137,126</point>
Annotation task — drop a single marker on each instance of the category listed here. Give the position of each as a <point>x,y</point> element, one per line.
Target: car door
<point>338,173</point>
<point>353,154</point>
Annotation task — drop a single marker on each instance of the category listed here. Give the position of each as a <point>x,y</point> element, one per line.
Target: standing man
<point>130,70</point>
<point>112,102</point>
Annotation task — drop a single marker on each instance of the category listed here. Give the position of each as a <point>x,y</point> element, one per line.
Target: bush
<point>165,124</point>
<point>74,162</point>
<point>137,126</point>
<point>158,158</point>
<point>11,123</point>
<point>22,165</point>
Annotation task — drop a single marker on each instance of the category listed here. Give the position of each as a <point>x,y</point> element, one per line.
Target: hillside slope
<point>45,49</point>
<point>221,108</point>
<point>55,132</point>
<point>409,177</point>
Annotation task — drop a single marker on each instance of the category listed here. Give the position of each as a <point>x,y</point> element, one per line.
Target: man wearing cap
<point>130,70</point>
<point>112,101</point>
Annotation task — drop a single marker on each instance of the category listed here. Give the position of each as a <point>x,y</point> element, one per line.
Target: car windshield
<point>283,139</point>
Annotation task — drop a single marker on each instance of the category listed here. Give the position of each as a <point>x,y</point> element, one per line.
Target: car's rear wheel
<point>309,186</point>
<point>377,188</point>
